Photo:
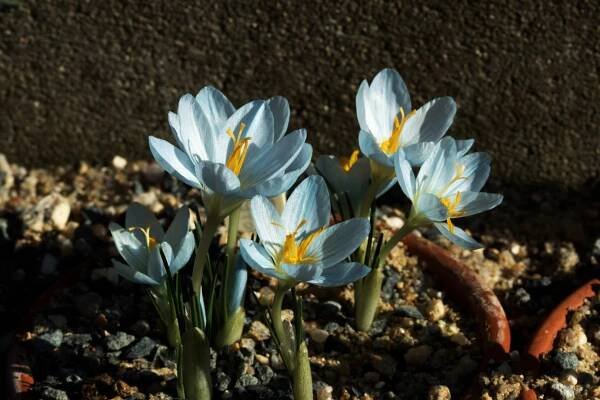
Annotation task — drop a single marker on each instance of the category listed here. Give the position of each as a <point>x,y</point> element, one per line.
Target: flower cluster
<point>322,234</point>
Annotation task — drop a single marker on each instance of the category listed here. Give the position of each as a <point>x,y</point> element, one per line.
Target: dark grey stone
<point>50,393</point>
<point>561,391</point>
<point>409,311</point>
<point>566,360</point>
<point>118,341</point>
<point>50,340</point>
<point>143,348</point>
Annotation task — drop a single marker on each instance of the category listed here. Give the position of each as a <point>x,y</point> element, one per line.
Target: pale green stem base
<point>301,376</point>
<point>232,233</point>
<point>196,365</point>
<point>232,329</point>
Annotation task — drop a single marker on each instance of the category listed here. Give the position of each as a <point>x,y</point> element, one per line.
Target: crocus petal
<point>417,153</point>
<point>431,207</point>
<point>463,146</point>
<point>217,177</point>
<point>361,105</point>
<point>281,115</point>
<point>458,237</point>
<point>129,247</point>
<point>272,161</point>
<point>476,169</point>
<point>430,122</point>
<point>138,216</point>
<point>308,208</point>
<point>174,161</point>
<point>195,131</point>
<point>385,187</point>
<point>132,274</point>
<point>268,224</point>
<point>341,274</point>
<point>302,272</point>
<point>370,148</point>
<point>387,93</point>
<point>476,202</point>
<point>281,184</point>
<point>215,105</point>
<point>179,227</point>
<point>404,175</point>
<point>183,253</point>
<point>257,258</point>
<point>338,241</point>
<point>238,284</point>
<point>258,121</point>
<point>156,268</point>
<point>439,168</point>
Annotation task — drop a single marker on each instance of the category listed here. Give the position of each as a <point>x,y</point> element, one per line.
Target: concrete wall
<point>90,79</point>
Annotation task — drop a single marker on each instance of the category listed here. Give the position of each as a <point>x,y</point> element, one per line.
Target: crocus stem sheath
<point>232,234</point>
<point>213,219</point>
<point>301,377</point>
<point>368,290</point>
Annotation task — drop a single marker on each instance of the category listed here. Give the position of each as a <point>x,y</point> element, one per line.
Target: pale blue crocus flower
<point>346,176</point>
<point>232,154</point>
<point>141,241</point>
<point>447,187</point>
<point>298,245</point>
<point>388,122</point>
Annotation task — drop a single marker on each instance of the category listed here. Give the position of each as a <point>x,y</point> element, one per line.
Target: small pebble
<point>418,355</point>
<point>561,391</point>
<point>118,341</point>
<point>435,310</point>
<point>60,214</point>
<point>323,390</point>
<point>49,393</point>
<point>259,331</point>
<point>569,379</point>
<point>574,337</point>
<point>439,392</point>
<point>140,327</point>
<point>49,264</point>
<point>566,360</point>
<point>330,309</point>
<point>264,360</point>
<point>119,162</point>
<point>319,335</point>
<point>141,349</point>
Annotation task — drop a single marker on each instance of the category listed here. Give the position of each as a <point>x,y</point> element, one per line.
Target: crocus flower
<point>448,187</point>
<point>388,123</point>
<point>233,153</point>
<point>298,245</point>
<point>141,241</point>
<point>346,176</point>
<point>238,285</point>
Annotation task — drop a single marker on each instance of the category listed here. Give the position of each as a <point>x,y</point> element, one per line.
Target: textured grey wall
<point>90,79</point>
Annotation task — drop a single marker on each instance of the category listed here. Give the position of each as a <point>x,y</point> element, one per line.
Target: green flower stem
<point>413,222</point>
<point>213,220</point>
<point>286,346</point>
<point>180,385</point>
<point>232,234</point>
<point>301,377</point>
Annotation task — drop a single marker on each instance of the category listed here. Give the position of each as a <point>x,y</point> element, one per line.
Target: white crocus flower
<point>447,187</point>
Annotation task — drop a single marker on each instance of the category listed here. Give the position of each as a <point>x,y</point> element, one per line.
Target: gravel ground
<point>99,337</point>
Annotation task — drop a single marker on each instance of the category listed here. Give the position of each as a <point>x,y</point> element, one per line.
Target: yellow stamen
<point>295,253</point>
<point>348,162</point>
<point>452,211</point>
<point>240,150</point>
<point>391,145</point>
<point>150,241</point>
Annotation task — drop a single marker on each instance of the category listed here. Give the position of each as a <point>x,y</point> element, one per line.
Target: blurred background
<point>86,80</point>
